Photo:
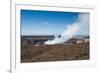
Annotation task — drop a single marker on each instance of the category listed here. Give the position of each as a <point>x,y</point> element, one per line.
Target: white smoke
<point>82,24</point>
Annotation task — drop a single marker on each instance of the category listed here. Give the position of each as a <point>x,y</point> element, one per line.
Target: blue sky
<point>35,22</point>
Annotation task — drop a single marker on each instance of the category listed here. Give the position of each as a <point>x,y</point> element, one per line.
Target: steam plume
<point>82,24</point>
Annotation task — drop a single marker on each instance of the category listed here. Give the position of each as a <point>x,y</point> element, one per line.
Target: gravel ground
<point>58,52</point>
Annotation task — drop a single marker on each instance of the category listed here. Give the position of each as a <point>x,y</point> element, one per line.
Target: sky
<point>35,22</point>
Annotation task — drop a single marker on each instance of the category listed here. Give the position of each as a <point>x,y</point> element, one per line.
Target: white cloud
<point>45,22</point>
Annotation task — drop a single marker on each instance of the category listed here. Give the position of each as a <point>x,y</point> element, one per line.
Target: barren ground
<point>59,52</point>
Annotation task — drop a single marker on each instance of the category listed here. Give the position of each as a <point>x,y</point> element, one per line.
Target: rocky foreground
<point>58,52</point>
